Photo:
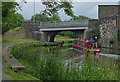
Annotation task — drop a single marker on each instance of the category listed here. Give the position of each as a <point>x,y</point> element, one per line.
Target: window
<point>76,42</point>
<point>83,44</point>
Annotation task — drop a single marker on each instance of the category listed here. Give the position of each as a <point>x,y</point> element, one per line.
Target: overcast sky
<point>89,9</point>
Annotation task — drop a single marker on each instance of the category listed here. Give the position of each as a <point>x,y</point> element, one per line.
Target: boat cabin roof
<point>82,40</point>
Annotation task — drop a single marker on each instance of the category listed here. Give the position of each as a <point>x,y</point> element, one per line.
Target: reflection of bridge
<point>48,30</point>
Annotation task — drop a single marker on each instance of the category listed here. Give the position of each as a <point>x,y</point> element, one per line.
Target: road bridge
<point>46,31</point>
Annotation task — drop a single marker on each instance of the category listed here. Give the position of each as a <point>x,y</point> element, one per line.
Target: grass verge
<point>19,75</point>
<point>15,75</point>
<point>63,38</point>
<point>12,40</point>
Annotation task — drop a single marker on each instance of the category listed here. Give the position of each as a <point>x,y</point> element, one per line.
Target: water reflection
<point>70,56</point>
<point>77,58</point>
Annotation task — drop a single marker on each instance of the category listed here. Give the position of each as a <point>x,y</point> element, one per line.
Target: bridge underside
<point>63,29</point>
<point>49,36</point>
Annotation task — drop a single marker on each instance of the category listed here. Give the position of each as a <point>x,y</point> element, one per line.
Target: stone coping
<point>14,64</point>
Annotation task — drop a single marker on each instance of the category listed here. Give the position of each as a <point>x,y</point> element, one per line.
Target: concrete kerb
<point>14,64</point>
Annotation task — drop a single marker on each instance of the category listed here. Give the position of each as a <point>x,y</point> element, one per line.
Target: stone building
<point>109,24</point>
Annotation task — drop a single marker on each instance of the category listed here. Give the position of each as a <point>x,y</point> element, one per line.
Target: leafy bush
<point>111,41</point>
<point>95,32</point>
<point>15,29</point>
<point>68,34</point>
<point>99,45</point>
<point>10,18</point>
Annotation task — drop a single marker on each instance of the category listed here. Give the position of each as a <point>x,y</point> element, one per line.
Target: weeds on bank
<point>19,75</point>
<point>12,40</point>
<point>46,63</point>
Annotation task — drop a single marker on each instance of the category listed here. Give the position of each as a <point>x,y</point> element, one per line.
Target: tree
<point>95,32</point>
<point>68,34</point>
<point>10,18</point>
<point>19,19</point>
<point>80,18</point>
<point>45,18</point>
<point>53,6</point>
<point>41,18</point>
<point>55,17</point>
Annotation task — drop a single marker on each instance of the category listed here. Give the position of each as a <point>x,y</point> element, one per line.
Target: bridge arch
<point>52,35</point>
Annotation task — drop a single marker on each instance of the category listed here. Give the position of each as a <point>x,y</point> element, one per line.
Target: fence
<point>83,23</point>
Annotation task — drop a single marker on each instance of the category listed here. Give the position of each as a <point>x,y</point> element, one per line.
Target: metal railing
<point>83,23</point>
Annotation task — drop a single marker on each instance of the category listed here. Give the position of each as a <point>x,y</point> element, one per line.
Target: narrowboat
<point>82,46</point>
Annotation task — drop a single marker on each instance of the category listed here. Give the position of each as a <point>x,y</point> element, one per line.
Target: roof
<point>81,40</point>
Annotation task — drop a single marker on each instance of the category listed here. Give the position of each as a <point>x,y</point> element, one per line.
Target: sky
<point>89,9</point>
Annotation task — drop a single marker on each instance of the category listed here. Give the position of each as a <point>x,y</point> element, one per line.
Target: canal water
<point>105,55</point>
<point>110,53</point>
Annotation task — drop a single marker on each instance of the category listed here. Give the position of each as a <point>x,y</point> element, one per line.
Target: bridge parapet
<point>68,24</point>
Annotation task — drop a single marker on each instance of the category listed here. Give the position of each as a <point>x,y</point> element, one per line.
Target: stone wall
<point>119,23</point>
<point>87,34</point>
<point>20,34</point>
<point>108,30</point>
<point>107,10</point>
<point>31,29</point>
<point>109,20</point>
<point>93,23</point>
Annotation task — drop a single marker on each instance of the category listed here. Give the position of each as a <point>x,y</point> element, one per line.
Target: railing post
<point>65,23</point>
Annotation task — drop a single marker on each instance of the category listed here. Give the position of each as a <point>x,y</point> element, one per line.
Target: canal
<point>106,54</point>
<point>37,57</point>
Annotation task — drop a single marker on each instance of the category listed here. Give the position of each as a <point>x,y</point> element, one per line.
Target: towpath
<point>4,65</point>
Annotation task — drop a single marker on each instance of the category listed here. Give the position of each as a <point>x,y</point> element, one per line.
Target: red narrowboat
<point>84,45</point>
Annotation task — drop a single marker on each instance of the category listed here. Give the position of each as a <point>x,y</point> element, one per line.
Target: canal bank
<point>7,73</point>
<point>110,50</point>
<point>25,53</point>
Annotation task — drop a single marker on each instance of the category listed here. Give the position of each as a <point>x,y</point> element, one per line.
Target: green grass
<point>46,63</point>
<point>12,40</point>
<point>16,75</point>
<point>57,38</point>
<point>15,30</point>
<point>63,38</point>
<point>20,75</point>
<point>0,42</point>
